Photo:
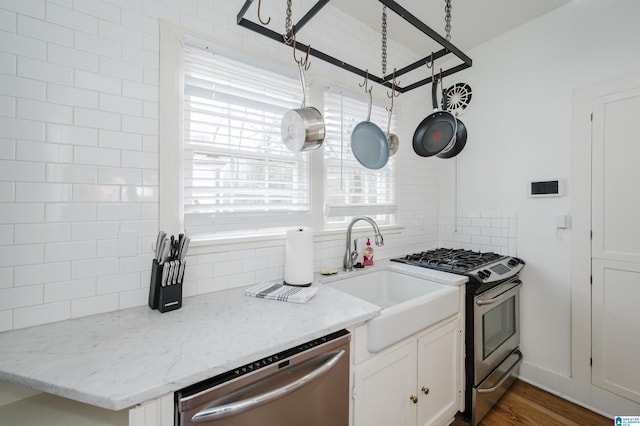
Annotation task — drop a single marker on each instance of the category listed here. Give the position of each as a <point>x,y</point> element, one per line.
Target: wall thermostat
<point>546,188</point>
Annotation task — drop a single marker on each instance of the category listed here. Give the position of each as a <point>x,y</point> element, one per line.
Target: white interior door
<point>616,244</point>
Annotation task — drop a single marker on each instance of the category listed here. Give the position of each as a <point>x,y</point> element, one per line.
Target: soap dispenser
<point>368,254</point>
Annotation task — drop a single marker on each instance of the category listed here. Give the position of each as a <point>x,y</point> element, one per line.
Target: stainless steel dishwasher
<point>305,385</point>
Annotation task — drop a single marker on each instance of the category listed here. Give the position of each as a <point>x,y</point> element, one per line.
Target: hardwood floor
<point>524,404</point>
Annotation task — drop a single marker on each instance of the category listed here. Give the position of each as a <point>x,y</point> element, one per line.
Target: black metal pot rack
<point>447,47</point>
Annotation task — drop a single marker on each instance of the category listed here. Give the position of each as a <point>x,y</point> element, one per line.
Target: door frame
<point>585,102</point>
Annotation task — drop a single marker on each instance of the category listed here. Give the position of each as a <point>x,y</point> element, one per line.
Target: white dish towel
<point>278,291</point>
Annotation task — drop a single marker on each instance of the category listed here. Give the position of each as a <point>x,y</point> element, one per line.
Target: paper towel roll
<point>298,258</point>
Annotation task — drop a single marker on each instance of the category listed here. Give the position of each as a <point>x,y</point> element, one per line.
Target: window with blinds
<point>351,189</point>
<point>238,175</point>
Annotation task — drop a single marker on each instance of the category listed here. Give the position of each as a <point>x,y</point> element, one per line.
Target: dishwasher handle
<point>218,412</point>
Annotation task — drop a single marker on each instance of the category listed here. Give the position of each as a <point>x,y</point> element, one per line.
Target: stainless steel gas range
<point>492,320</point>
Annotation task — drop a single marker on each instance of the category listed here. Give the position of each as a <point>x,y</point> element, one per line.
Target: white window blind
<point>351,189</point>
<point>238,175</point>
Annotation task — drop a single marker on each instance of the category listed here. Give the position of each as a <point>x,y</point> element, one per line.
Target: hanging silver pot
<point>302,129</point>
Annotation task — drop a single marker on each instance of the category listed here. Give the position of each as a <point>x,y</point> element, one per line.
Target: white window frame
<point>171,156</point>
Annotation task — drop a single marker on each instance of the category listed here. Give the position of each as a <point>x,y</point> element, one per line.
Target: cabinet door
<point>438,375</point>
<point>615,332</point>
<point>383,388</point>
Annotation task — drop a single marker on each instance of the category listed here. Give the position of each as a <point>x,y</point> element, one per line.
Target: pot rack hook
<point>260,17</point>
<point>302,62</point>
<point>365,83</point>
<point>430,64</point>
<point>394,93</point>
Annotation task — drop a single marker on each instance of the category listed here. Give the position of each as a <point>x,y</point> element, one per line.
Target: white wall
<point>79,152</point>
<point>520,128</point>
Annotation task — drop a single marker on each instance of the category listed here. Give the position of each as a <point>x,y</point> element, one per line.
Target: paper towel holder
<point>307,276</point>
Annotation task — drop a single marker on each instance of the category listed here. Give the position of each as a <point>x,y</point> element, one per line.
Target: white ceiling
<point>473,21</point>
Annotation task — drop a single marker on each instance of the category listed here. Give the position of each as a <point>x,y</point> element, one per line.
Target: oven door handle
<point>483,302</point>
<point>504,377</point>
<point>220,411</point>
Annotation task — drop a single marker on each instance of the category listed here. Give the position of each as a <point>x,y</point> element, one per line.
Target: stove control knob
<point>487,272</point>
<point>482,275</point>
<point>513,262</point>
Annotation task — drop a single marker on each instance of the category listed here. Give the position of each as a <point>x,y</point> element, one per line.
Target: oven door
<point>497,326</point>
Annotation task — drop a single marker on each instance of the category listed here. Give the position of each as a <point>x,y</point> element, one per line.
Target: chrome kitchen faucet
<point>351,256</point>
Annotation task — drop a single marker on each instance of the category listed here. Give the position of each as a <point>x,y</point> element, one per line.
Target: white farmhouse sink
<point>409,304</point>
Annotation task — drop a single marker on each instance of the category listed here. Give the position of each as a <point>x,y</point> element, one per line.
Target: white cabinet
<point>414,383</point>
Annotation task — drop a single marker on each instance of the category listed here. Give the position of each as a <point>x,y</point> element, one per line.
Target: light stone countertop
<point>119,359</point>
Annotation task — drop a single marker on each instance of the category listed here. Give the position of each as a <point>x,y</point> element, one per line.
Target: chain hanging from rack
<point>384,41</point>
<point>447,19</point>
<point>288,25</point>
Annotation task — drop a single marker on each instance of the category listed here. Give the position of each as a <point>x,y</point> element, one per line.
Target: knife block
<point>163,298</point>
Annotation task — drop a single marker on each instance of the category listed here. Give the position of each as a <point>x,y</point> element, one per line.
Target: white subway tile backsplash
<point>96,156</point>
<point>107,248</point>
<point>8,21</point>
<point>119,69</point>
<point>42,192</point>
<point>136,90</point>
<point>96,193</point>
<point>118,283</point>
<point>98,82</point>
<point>150,110</point>
<point>72,19</point>
<point>14,128</point>
<point>6,235</point>
<point>150,43</point>
<point>6,277</point>
<point>98,8</point>
<point>139,56</point>
<point>119,33</point>
<point>21,212</point>
<point>139,22</point>
<point>41,314</point>
<point>150,176</point>
<point>8,64</point>
<point>120,140</point>
<point>69,212</point>
<point>59,252</point>
<point>35,8</point>
<point>144,160</point>
<point>91,268</point>
<point>119,211</point>
<point>149,211</point>
<point>94,231</point>
<point>142,194</point>
<point>71,174</point>
<point>19,297</point>
<point>73,58</point>
<point>131,299</point>
<point>21,255</point>
<point>119,176</point>
<point>120,104</point>
<point>42,233</point>
<point>21,171</point>
<point>94,305</point>
<point>23,46</point>
<point>6,320</point>
<point>47,152</point>
<point>100,46</point>
<point>7,106</point>
<point>36,28</point>
<point>66,95</point>
<point>7,149</point>
<point>40,274</point>
<point>96,119</point>
<point>42,111</point>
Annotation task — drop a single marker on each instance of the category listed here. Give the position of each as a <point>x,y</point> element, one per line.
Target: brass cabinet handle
<point>414,399</point>
<point>425,390</point>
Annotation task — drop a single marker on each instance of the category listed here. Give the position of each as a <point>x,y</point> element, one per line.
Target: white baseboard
<point>583,394</point>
